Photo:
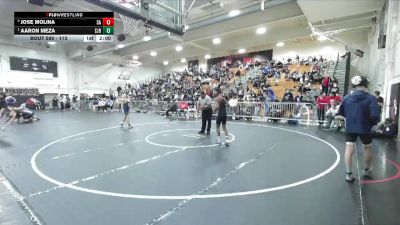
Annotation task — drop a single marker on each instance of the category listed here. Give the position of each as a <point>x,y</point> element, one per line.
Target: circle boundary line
<point>183,197</point>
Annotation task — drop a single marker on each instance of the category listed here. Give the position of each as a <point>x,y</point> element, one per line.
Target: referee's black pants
<point>206,118</point>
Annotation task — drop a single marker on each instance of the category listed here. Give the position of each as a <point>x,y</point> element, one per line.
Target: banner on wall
<point>193,65</point>
<point>394,103</point>
<point>242,60</point>
<point>383,27</point>
<point>33,65</point>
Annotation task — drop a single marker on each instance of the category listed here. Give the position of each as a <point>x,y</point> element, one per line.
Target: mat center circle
<point>177,138</point>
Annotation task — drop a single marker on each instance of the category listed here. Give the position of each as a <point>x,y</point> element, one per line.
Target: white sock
<point>218,138</point>
<point>348,169</point>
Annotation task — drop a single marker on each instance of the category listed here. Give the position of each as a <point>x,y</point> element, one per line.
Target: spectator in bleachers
<point>336,97</point>
<point>331,113</point>
<point>334,88</point>
<point>315,93</point>
<point>322,104</point>
<point>183,108</point>
<point>173,107</point>
<point>299,97</point>
<point>307,98</point>
<point>183,85</point>
<point>277,77</point>
<point>325,84</point>
<point>288,96</point>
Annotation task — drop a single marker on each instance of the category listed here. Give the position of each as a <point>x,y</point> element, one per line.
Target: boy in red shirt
<point>183,107</point>
<point>335,97</point>
<point>322,106</point>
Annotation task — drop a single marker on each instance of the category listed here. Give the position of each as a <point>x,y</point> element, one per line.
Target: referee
<point>204,104</point>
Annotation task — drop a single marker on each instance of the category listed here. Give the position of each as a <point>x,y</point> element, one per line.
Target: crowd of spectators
<point>257,87</point>
<point>248,83</point>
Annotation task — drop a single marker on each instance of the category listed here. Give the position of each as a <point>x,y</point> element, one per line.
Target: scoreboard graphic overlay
<point>64,26</point>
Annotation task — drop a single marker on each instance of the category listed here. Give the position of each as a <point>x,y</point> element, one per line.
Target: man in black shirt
<point>379,99</point>
<point>3,104</point>
<point>119,89</point>
<point>288,96</point>
<point>74,102</point>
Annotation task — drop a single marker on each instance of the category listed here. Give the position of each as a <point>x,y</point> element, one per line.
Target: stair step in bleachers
<point>300,68</point>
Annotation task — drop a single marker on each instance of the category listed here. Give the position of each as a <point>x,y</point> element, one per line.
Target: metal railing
<point>291,112</point>
<point>347,77</point>
<point>336,65</point>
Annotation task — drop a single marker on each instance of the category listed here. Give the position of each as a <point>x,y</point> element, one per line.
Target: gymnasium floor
<point>81,168</point>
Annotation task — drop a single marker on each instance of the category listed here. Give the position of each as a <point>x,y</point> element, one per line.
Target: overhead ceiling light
<point>280,44</point>
<point>216,41</point>
<point>322,38</point>
<point>178,48</point>
<point>135,57</point>
<point>165,63</point>
<point>261,30</point>
<point>153,54</point>
<point>51,42</point>
<point>183,60</point>
<point>207,56</point>
<point>120,45</point>
<point>146,38</point>
<point>242,50</point>
<point>234,12</point>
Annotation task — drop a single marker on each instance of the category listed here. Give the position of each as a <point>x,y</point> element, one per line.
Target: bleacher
<point>300,68</point>
<point>247,75</point>
<point>283,84</point>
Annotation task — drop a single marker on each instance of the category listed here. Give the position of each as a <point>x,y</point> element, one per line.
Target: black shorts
<point>221,119</point>
<point>366,139</point>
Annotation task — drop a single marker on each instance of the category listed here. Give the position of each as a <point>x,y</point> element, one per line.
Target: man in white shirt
<point>331,113</point>
<point>204,104</point>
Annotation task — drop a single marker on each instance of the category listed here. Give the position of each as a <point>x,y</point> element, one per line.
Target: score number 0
<point>108,22</point>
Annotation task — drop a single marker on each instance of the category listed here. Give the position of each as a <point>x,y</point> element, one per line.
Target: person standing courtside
<point>204,104</point>
<point>380,100</point>
<point>361,111</point>
<point>125,101</point>
<point>220,107</point>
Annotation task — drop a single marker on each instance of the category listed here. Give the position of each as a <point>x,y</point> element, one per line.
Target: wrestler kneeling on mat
<point>21,115</point>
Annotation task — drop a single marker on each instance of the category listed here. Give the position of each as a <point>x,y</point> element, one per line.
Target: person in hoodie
<point>361,111</point>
